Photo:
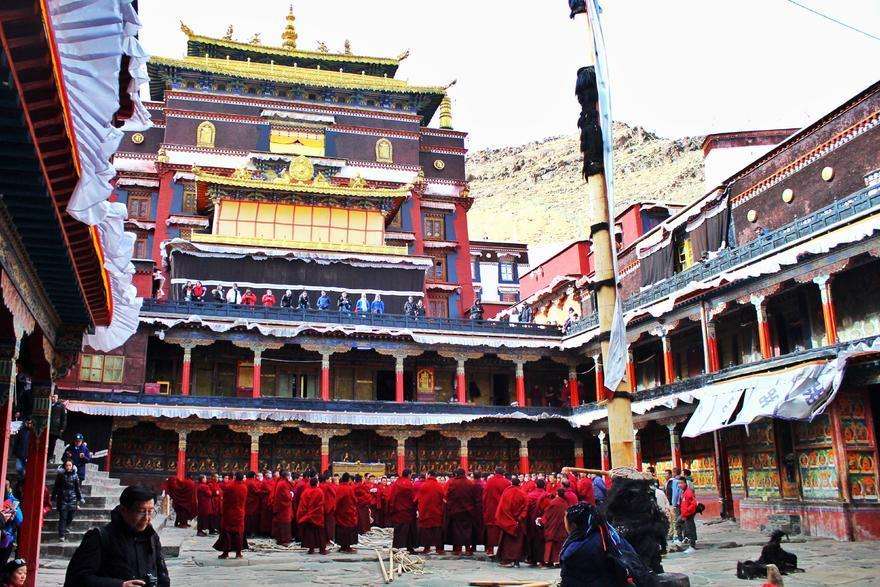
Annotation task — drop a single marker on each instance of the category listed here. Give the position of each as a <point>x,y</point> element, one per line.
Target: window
<point>205,134</point>
<point>475,270</point>
<point>438,271</point>
<point>101,368</point>
<point>141,250</point>
<point>506,271</point>
<point>511,297</point>
<point>435,227</point>
<point>190,202</point>
<point>684,254</point>
<point>139,207</point>
<point>186,233</point>
<point>438,307</point>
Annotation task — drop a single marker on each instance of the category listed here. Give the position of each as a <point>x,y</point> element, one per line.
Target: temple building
<point>750,312</point>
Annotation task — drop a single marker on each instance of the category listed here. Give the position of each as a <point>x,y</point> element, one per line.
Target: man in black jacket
<point>125,552</point>
<point>57,422</point>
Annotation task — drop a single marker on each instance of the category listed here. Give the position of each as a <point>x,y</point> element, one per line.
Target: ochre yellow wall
<point>296,142</point>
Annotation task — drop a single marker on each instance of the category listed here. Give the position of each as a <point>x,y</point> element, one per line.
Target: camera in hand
<point>151,580</point>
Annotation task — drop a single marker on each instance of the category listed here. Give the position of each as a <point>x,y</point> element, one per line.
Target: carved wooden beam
<point>829,270</point>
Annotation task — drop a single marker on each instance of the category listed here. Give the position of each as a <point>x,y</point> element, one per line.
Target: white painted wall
<point>721,163</point>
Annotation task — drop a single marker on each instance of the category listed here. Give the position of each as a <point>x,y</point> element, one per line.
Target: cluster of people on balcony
<point>197,292</point>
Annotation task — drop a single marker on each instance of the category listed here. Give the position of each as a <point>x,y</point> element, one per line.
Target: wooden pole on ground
<point>620,426</point>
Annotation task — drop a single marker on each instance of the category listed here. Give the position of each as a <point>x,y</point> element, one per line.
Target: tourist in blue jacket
<point>584,559</point>
<point>78,452</point>
<point>363,305</point>
<point>377,306</point>
<point>323,302</point>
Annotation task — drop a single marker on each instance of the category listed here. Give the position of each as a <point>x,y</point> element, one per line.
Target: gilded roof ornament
<point>255,40</point>
<point>320,180</point>
<point>357,182</point>
<point>229,32</point>
<point>445,112</point>
<point>347,48</point>
<point>420,178</point>
<point>322,47</point>
<point>161,156</point>
<point>403,55</point>
<point>186,30</point>
<point>289,36</point>
<point>242,173</point>
<point>301,169</point>
<point>196,170</point>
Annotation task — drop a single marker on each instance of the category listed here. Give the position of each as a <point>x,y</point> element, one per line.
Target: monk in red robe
<point>553,523</point>
<point>478,526</point>
<point>299,485</point>
<point>585,489</point>
<point>267,486</point>
<point>538,500</point>
<point>206,512</point>
<point>217,497</point>
<point>429,499</point>
<point>232,518</point>
<point>495,486</point>
<point>282,510</point>
<point>460,512</point>
<point>363,497</point>
<point>183,500</point>
<point>310,518</point>
<point>346,515</point>
<point>402,512</point>
<point>328,488</point>
<point>252,505</point>
<point>510,516</point>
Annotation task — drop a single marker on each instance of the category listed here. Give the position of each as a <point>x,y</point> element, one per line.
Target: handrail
<point>837,211</point>
<point>278,313</point>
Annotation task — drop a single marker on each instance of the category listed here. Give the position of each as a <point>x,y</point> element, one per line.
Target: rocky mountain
<point>534,193</point>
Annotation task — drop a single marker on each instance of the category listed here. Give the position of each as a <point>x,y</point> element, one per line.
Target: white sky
<point>678,67</point>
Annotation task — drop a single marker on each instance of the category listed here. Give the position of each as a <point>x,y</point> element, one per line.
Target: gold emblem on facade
<point>137,138</point>
<point>828,173</point>
<point>752,215</point>
<point>357,182</point>
<point>787,195</point>
<point>439,164</point>
<point>301,169</point>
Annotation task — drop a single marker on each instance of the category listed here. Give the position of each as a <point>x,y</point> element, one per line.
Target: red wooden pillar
<point>829,313</point>
<point>463,452</point>
<point>668,360</point>
<point>523,456</point>
<point>578,455</point>
<point>7,378</point>
<point>325,375</point>
<point>401,454</point>
<point>601,392</point>
<point>32,503</point>
<point>573,391</point>
<point>637,449</point>
<point>185,372</point>
<point>254,462</point>
<point>674,445</point>
<point>181,454</point>
<point>631,369</point>
<point>398,379</point>
<point>258,367</point>
<point>520,384</point>
<point>712,348</point>
<point>764,338</point>
<point>461,384</point>
<point>109,452</point>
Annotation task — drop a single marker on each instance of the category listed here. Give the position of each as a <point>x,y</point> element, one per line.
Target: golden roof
<point>289,183</point>
<point>294,53</point>
<point>296,75</point>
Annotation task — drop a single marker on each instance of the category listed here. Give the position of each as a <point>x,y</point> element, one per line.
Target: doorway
<point>500,389</point>
<point>385,384</point>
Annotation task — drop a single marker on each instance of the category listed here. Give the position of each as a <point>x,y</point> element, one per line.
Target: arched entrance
<point>290,450</point>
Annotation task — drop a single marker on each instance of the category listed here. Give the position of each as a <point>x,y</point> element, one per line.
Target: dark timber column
<point>722,477</point>
<point>829,312</point>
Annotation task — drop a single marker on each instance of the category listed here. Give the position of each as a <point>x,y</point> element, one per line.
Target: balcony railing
<point>278,313</point>
<point>838,211</point>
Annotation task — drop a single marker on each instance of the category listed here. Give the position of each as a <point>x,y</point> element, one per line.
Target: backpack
<point>626,564</point>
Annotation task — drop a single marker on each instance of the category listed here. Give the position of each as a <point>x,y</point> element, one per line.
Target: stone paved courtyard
<point>827,562</point>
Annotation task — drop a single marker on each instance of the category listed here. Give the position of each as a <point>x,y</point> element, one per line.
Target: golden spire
<point>445,112</point>
<point>229,32</point>
<point>255,40</point>
<point>347,48</point>
<point>289,35</point>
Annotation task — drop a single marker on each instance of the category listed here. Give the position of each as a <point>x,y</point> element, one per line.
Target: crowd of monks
<point>516,518</point>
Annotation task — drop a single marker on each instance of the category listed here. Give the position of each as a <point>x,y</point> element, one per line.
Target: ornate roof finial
<point>322,47</point>
<point>229,33</point>
<point>445,112</point>
<point>347,48</point>
<point>255,40</point>
<point>288,37</point>
<point>186,30</point>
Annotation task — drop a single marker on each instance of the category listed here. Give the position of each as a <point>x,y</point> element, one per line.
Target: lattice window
<point>186,233</point>
<point>190,200</point>
<point>437,272</point>
<point>435,227</point>
<point>101,368</point>
<point>438,307</point>
<point>139,207</point>
<point>141,250</point>
<point>506,271</point>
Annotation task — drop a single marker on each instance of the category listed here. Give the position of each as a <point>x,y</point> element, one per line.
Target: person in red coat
<point>267,486</point>
<point>268,298</point>
<point>205,507</point>
<point>282,510</point>
<point>429,499</point>
<point>402,512</point>
<point>585,489</point>
<point>688,510</point>
<point>346,515</point>
<point>328,488</point>
<point>183,500</point>
<point>553,524</point>
<point>363,497</point>
<point>232,518</point>
<point>249,298</point>
<point>460,512</point>
<point>310,518</point>
<point>510,516</point>
<point>538,499</point>
<point>495,486</point>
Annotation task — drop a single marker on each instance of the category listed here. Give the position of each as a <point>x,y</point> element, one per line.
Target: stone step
<point>74,536</point>
<point>78,524</point>
<point>86,513</point>
<point>65,550</point>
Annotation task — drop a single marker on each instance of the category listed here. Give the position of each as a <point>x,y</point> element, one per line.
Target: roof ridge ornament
<point>289,36</point>
<point>229,32</point>
<point>186,30</point>
<point>357,182</point>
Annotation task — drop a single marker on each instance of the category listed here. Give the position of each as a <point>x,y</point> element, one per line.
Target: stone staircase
<point>101,493</point>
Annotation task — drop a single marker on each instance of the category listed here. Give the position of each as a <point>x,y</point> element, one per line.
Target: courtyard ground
<point>827,562</point>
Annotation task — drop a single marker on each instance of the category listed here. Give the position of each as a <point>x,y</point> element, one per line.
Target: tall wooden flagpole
<point>620,421</point>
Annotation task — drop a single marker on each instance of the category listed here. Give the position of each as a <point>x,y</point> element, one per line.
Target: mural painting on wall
<point>364,446</point>
<point>763,470</point>
<point>493,450</point>
<point>425,384</point>
<point>144,450</point>
<point>432,452</point>
<point>818,470</point>
<point>217,449</point>
<point>703,472</point>
<point>735,465</point>
<point>855,414</point>
<point>550,453</point>
<point>290,450</point>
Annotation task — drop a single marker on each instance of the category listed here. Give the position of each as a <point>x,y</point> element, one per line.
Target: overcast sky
<point>679,67</point>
